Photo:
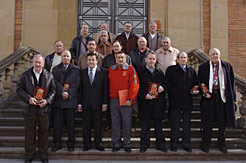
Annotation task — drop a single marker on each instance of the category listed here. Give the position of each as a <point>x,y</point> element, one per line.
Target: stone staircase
<point>12,123</point>
<point>12,140</point>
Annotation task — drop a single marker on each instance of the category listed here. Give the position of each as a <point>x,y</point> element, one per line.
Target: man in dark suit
<point>151,106</point>
<point>78,46</point>
<point>67,78</point>
<point>180,80</point>
<point>93,100</point>
<point>36,107</point>
<point>128,39</point>
<point>218,103</point>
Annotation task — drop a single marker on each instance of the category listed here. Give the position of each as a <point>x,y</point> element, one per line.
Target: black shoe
<point>56,148</point>
<point>187,149</point>
<point>86,148</point>
<point>44,160</point>
<point>115,149</point>
<point>143,149</point>
<point>163,149</point>
<point>223,149</point>
<point>28,160</point>
<point>128,149</point>
<point>204,148</point>
<point>70,148</point>
<point>100,148</point>
<point>174,149</point>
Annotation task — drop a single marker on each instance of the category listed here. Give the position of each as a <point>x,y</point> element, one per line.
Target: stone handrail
<point>11,68</point>
<point>197,57</point>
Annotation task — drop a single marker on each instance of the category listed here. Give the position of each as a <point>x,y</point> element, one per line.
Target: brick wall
<point>237,36</point>
<point>206,25</point>
<point>18,23</point>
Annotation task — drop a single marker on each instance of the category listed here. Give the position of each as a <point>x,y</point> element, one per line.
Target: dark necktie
<point>91,76</point>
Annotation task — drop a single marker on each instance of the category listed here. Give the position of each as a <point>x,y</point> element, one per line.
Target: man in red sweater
<point>122,77</point>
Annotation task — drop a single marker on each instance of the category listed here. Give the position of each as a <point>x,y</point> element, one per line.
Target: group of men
<point>126,77</point>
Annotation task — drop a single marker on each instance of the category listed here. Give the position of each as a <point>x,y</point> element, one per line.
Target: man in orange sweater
<point>122,77</point>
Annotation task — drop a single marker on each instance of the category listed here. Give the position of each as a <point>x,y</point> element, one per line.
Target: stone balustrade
<point>15,64</point>
<point>10,70</point>
<point>197,57</point>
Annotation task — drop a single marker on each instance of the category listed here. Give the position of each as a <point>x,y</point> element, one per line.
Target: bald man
<point>138,55</point>
<point>218,103</point>
<point>67,78</point>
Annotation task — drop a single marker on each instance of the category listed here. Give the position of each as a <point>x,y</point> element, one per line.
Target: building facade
<point>191,24</point>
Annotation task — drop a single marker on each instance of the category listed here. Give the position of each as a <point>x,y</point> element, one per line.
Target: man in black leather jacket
<point>31,83</point>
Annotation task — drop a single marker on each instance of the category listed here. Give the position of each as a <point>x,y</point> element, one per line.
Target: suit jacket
<point>137,63</point>
<point>25,88</point>
<point>95,95</point>
<point>129,44</point>
<point>75,48</point>
<point>159,38</point>
<point>72,76</point>
<point>151,109</point>
<point>179,84</point>
<point>230,92</point>
<point>48,61</point>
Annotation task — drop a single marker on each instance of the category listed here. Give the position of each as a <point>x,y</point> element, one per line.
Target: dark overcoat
<point>129,44</point>
<point>230,92</point>
<point>150,109</point>
<point>95,95</point>
<point>49,61</point>
<point>179,84</point>
<point>25,88</point>
<point>72,76</point>
<point>75,48</point>
<point>138,61</point>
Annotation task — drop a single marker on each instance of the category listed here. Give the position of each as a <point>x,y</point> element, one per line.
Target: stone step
<point>136,132</point>
<point>19,121</point>
<point>18,141</point>
<point>195,114</point>
<point>150,154</point>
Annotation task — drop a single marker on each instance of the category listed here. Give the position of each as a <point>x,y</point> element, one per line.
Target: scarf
<point>221,80</point>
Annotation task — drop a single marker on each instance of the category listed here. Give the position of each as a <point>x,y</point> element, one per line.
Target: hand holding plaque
<point>66,86</point>
<point>153,89</point>
<point>39,94</point>
<point>195,90</point>
<point>205,91</point>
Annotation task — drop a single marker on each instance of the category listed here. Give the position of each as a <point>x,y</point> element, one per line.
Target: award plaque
<point>194,89</point>
<point>39,93</point>
<point>204,88</point>
<point>153,89</point>
<point>66,85</point>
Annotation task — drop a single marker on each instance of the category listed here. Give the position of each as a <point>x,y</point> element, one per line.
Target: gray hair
<point>166,38</point>
<point>153,22</point>
<point>38,56</point>
<point>103,31</point>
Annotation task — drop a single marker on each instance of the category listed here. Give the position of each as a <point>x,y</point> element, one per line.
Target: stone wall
<point>7,15</point>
